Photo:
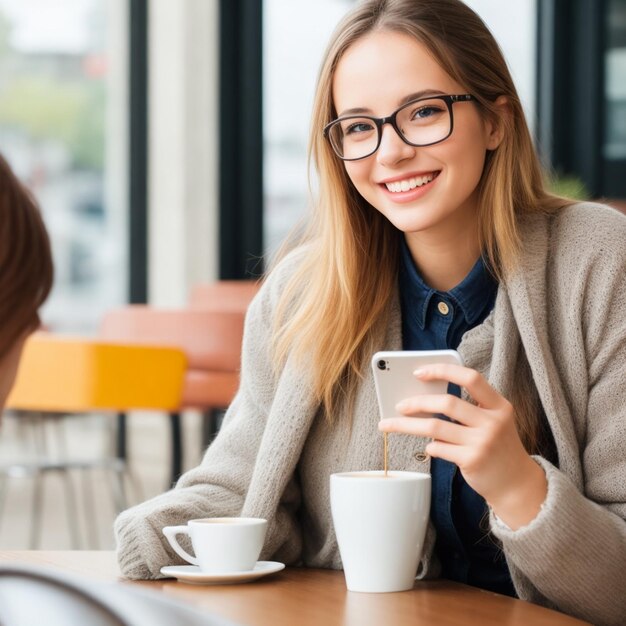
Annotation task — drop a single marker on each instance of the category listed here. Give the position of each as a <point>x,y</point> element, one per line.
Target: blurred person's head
<point>26,271</point>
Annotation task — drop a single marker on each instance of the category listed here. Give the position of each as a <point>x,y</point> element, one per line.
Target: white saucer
<point>192,573</point>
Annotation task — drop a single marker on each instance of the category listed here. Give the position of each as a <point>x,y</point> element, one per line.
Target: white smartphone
<point>394,380</point>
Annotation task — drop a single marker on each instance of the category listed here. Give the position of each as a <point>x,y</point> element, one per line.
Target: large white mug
<point>221,544</point>
<point>380,522</point>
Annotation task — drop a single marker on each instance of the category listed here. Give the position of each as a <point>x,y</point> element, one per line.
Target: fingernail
<point>402,405</point>
<point>419,373</point>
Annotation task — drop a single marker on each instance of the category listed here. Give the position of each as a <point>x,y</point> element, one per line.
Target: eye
<point>354,127</point>
<point>426,112</point>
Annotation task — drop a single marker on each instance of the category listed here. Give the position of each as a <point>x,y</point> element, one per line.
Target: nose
<point>392,148</point>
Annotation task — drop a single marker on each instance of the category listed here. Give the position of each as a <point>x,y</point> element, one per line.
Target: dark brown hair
<point>26,270</point>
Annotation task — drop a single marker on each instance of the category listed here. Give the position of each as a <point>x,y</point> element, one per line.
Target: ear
<point>494,126</point>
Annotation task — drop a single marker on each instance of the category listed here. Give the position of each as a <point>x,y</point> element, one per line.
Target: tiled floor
<point>86,437</point>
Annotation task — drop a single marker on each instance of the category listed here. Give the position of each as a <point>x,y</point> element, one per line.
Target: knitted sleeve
<point>573,554</point>
<point>218,486</point>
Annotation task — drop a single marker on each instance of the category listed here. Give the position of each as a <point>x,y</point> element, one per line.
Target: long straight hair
<point>333,310</point>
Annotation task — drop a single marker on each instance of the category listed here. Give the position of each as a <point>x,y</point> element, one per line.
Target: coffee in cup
<point>380,521</point>
<point>221,544</point>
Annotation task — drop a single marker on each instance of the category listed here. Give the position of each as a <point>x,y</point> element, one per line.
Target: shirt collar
<point>414,292</point>
<point>472,295</point>
<point>475,292</point>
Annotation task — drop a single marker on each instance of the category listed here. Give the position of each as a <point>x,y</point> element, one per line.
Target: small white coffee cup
<point>380,522</point>
<point>221,544</point>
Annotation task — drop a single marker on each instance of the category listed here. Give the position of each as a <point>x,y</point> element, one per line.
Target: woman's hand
<point>482,441</point>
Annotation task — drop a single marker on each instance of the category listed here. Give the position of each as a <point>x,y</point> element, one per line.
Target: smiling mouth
<point>410,183</point>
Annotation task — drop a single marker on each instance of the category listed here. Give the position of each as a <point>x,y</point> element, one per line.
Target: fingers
<point>428,427</point>
<point>445,404</point>
<point>474,382</point>
<point>447,451</point>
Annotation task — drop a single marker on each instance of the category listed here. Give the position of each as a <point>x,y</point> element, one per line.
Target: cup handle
<point>170,533</point>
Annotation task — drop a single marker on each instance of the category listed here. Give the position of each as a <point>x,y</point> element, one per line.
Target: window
<point>294,39</point>
<point>614,144</point>
<point>63,128</point>
<point>582,98</point>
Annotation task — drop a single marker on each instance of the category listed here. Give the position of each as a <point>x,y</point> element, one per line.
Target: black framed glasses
<point>421,122</point>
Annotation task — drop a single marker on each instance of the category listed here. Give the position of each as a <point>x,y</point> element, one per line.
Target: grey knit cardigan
<point>565,310</point>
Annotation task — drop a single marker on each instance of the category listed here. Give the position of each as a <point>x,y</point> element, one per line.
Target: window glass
<point>294,39</point>
<point>63,129</point>
<point>615,90</point>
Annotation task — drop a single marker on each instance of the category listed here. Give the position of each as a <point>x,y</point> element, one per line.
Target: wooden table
<point>308,597</point>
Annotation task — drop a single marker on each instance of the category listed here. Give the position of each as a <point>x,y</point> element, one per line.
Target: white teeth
<point>409,183</point>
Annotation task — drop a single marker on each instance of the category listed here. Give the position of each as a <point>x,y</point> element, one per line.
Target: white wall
<point>183,131</point>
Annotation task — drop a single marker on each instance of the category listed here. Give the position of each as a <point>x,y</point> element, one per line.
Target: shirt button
<point>420,457</point>
<point>444,309</point>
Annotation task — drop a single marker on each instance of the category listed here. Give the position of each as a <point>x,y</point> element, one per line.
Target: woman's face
<point>376,75</point>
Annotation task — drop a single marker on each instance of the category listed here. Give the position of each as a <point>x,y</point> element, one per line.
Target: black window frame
<point>571,80</point>
<point>138,151</point>
<point>137,173</point>
<point>241,139</point>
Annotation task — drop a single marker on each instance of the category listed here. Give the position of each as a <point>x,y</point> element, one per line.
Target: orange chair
<point>73,374</point>
<point>61,375</point>
<point>211,341</point>
<point>224,295</point>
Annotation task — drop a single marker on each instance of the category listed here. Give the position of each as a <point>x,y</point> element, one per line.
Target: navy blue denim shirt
<point>434,320</point>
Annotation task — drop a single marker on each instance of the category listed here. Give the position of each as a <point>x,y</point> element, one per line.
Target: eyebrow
<point>412,96</point>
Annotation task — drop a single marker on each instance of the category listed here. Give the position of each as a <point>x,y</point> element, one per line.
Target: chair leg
<point>72,510</point>
<point>118,491</point>
<point>121,437</point>
<point>41,449</point>
<point>36,512</point>
<point>3,495</point>
<point>135,487</point>
<point>91,518</point>
<point>70,494</point>
<point>211,423</point>
<point>177,448</point>
<point>121,467</point>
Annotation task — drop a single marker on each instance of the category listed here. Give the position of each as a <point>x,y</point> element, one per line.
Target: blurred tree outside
<point>68,106</point>
<point>567,186</point>
<point>56,130</point>
<point>74,114</point>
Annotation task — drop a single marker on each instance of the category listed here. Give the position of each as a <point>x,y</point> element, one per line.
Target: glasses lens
<point>353,137</point>
<point>425,121</point>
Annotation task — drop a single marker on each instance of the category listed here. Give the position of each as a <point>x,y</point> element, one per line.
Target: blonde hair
<point>333,310</point>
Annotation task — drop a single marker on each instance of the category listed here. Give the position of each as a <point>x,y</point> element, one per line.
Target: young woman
<point>25,272</point>
<point>433,229</point>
